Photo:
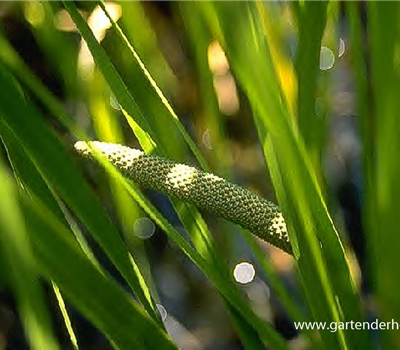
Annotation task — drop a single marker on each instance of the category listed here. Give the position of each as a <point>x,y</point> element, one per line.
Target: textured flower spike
<point>206,191</point>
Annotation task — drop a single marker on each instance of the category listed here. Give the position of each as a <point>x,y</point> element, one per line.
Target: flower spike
<point>204,190</point>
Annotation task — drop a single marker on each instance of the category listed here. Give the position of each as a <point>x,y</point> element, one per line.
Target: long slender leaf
<point>311,28</point>
<point>158,91</point>
<point>46,96</point>
<point>57,168</point>
<point>384,36</point>
<point>21,267</point>
<point>294,169</point>
<point>100,299</point>
<point>202,238</point>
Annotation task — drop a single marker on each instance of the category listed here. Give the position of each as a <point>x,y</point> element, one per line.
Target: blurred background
<point>191,68</point>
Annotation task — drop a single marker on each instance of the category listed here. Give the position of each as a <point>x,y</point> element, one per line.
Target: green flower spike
<point>204,190</point>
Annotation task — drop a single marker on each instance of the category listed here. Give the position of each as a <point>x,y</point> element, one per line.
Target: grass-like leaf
<point>308,213</point>
<point>384,36</point>
<point>96,295</point>
<point>22,271</point>
<point>190,217</point>
<point>57,167</point>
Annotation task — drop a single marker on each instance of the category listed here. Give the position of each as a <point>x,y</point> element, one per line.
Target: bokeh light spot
<point>64,22</point>
<point>217,60</point>
<point>99,22</point>
<point>244,272</point>
<point>326,58</point>
<point>114,102</point>
<point>34,13</point>
<point>144,228</point>
<point>162,311</point>
<point>207,139</point>
<point>342,47</point>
